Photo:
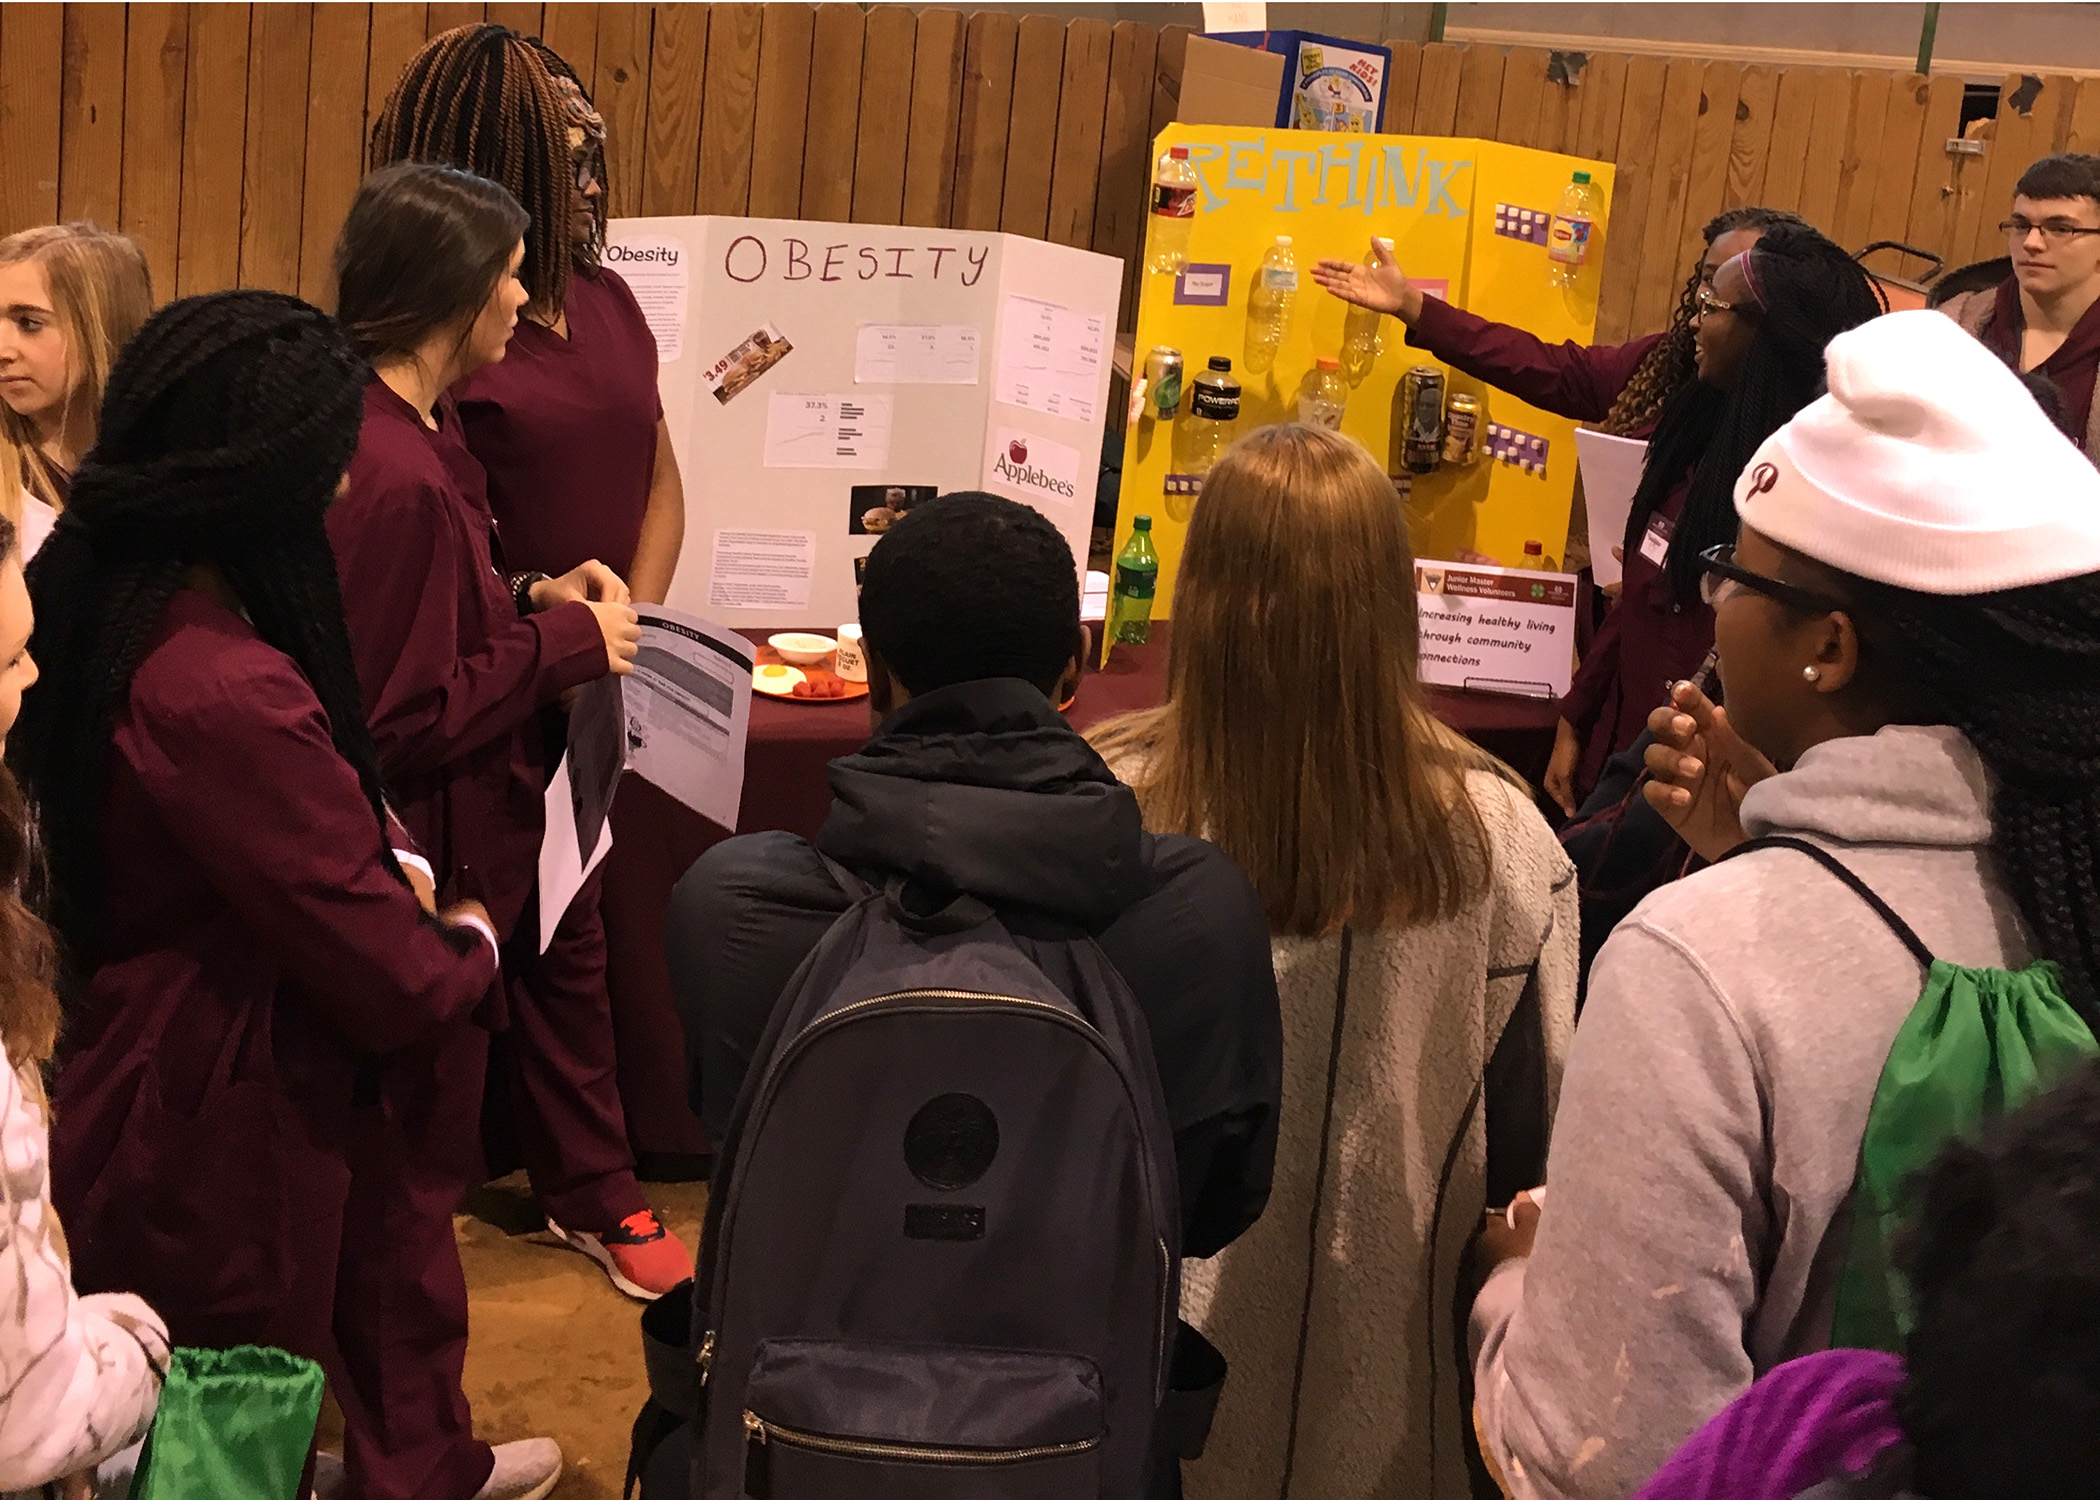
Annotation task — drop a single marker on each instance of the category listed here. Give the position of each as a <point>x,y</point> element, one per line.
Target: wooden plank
<point>1600,100</point>
<point>215,127</point>
<point>729,116</point>
<point>936,115</point>
<point>1633,146</point>
<point>878,157</point>
<point>681,56</point>
<point>335,142</point>
<point>1523,96</point>
<point>1970,173</point>
<point>1082,103</point>
<point>1120,201</point>
<point>1661,271</point>
<point>1823,175</point>
<point>2026,127</point>
<point>91,115</point>
<point>1038,71</point>
<point>1402,81</point>
<point>1560,107</point>
<point>1930,223</point>
<point>834,112</point>
<point>570,29</point>
<point>1786,155</point>
<point>397,34</point>
<point>1707,182</point>
<point>156,66</point>
<point>987,106</point>
<point>1855,206</point>
<point>273,173</point>
<point>2082,130</point>
<point>780,120</point>
<point>1436,99</point>
<point>1479,92</point>
<point>1749,145</point>
<point>524,19</point>
<point>1166,75</point>
<point>447,15</point>
<point>1896,169</point>
<point>622,97</point>
<point>32,49</point>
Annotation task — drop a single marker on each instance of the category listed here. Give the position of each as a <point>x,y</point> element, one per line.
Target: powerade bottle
<point>1137,573</point>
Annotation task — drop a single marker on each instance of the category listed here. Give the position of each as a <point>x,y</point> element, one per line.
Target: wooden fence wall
<point>228,137</point>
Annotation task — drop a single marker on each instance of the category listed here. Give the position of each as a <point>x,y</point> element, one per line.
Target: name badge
<point>1656,544</point>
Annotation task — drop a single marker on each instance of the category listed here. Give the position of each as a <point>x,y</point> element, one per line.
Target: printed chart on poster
<point>1469,222</point>
<point>820,380</point>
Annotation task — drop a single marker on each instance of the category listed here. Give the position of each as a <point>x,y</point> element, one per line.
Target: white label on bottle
<point>1568,240</point>
<point>1280,278</point>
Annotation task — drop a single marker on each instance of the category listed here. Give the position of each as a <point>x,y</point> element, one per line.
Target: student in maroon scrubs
<point>580,466</point>
<point>252,975</point>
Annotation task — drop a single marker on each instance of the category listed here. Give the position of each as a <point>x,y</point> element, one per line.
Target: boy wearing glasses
<point>2045,317</point>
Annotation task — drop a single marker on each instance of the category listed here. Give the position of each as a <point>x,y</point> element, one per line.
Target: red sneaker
<point>641,1257</point>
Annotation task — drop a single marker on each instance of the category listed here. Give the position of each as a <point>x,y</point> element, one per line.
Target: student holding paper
<point>458,658</point>
<point>1757,332</point>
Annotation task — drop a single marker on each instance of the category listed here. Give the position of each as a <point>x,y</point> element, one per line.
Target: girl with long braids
<point>1909,641</point>
<point>71,296</point>
<point>246,960</point>
<point>580,468</point>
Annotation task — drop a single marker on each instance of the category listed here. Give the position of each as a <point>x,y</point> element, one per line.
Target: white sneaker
<point>525,1470</point>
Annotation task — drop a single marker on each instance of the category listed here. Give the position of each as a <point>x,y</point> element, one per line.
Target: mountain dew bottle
<point>1137,571</point>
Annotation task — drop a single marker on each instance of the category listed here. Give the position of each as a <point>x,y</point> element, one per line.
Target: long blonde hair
<point>1295,735</point>
<point>101,294</point>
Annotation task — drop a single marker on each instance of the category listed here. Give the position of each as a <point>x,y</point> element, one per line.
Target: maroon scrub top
<point>566,428</point>
<point>453,679</point>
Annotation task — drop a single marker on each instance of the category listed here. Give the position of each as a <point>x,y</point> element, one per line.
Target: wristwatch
<point>521,585</point>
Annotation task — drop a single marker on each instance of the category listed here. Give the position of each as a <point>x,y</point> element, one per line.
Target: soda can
<point>1461,428</point>
<point>1163,375</point>
<point>1422,408</point>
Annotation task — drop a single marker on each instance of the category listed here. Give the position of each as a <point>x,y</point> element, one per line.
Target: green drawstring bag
<point>1979,1043</point>
<point>233,1424</point>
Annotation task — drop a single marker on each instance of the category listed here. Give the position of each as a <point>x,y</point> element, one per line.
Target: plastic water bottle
<point>1269,305</point>
<point>1535,559</point>
<point>1360,342</point>
<point>1213,411</point>
<point>1137,573</point>
<point>1323,395</point>
<point>1173,211</point>
<point>1568,241</point>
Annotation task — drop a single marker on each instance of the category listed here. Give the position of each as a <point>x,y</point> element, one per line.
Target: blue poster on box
<point>1329,83</point>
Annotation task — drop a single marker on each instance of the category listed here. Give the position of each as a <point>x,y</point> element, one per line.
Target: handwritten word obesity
<point>750,258</point>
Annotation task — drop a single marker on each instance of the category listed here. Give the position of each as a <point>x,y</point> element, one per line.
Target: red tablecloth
<point>656,839</point>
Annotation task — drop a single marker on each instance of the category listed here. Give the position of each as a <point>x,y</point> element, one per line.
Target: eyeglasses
<point>1722,578</point>
<point>2054,231</point>
<point>1707,302</point>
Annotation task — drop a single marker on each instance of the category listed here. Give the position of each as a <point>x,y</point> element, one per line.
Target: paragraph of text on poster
<point>762,569</point>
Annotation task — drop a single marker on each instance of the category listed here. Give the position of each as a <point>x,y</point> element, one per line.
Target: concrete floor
<point>553,1350</point>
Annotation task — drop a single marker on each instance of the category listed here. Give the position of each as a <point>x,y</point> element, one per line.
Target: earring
<point>1811,674</point>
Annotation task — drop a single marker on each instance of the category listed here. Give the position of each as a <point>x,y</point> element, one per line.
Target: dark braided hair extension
<point>2018,673</point>
<point>484,99</point>
<point>1811,291</point>
<point>228,423</point>
<point>1669,367</point>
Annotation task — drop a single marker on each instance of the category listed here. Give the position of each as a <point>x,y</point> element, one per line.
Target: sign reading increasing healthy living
<point>1468,221</point>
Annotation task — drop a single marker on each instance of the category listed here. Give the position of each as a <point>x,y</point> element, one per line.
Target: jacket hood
<point>983,788</point>
<point>1906,784</point>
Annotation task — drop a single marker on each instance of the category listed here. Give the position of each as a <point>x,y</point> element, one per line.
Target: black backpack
<point>942,1252</point>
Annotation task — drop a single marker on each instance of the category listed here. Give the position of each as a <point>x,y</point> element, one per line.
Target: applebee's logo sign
<point>1013,467</point>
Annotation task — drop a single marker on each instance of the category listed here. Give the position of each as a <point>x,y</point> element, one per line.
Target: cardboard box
<point>1331,83</point>
<point>1224,84</point>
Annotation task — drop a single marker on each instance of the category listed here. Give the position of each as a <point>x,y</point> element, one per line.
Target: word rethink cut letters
<point>750,258</point>
<point>1369,176</point>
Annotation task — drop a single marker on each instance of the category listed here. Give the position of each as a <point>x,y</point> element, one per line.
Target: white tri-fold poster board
<point>820,379</point>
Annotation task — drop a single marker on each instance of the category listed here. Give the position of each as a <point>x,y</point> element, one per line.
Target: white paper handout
<point>827,431</point>
<point>1496,630</point>
<point>1050,358</point>
<point>679,720</point>
<point>1611,472</point>
<point>915,354</point>
<point>762,569</point>
<point>658,270</point>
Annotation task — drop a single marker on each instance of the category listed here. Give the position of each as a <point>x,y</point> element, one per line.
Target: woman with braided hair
<point>246,962</point>
<point>1909,640</point>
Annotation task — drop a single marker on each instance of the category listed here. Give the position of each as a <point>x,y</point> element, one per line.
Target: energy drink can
<point>1422,408</point>
<point>1461,428</point>
<point>1163,378</point>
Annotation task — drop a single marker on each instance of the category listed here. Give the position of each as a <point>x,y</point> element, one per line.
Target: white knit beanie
<point>1928,466</point>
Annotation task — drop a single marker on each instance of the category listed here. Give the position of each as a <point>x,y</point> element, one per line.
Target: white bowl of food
<point>801,649</point>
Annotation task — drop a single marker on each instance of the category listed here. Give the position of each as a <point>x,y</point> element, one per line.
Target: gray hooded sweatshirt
<point>1712,1110</point>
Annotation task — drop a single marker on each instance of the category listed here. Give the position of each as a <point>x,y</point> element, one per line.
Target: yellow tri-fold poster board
<point>1467,219</point>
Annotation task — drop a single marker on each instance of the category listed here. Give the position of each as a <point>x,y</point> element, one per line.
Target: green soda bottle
<point>1137,571</point>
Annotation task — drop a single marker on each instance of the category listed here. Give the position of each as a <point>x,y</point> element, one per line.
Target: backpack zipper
<point>758,1430</point>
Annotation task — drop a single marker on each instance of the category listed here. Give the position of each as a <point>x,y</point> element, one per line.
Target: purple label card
<point>1183,484</point>
<point>1203,285</point>
<point>1528,224</point>
<point>1522,450</point>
